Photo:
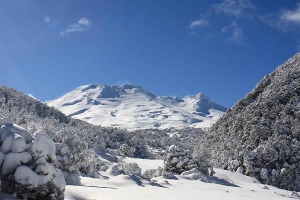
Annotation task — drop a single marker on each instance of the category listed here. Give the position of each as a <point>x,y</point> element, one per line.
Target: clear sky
<point>221,47</point>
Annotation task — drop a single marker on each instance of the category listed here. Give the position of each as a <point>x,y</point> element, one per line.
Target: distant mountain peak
<point>132,106</point>
<point>137,89</point>
<point>108,92</point>
<point>200,96</point>
<point>202,103</point>
<point>114,91</point>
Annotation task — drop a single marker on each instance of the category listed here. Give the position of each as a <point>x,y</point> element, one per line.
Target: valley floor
<point>225,185</point>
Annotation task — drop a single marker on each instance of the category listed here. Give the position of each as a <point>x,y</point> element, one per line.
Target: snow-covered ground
<point>132,107</point>
<point>225,185</point>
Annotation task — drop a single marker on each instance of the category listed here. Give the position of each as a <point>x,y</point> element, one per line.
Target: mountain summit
<point>202,103</point>
<point>133,107</point>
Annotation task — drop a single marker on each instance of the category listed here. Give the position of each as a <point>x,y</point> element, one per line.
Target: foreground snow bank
<point>27,164</point>
<point>224,186</point>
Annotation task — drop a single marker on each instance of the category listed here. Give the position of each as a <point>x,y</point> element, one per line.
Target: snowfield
<point>225,185</point>
<point>132,107</point>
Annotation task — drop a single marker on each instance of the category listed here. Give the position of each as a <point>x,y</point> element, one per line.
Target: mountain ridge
<point>133,107</point>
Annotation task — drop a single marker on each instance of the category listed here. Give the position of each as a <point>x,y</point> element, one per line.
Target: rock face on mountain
<point>132,107</point>
<point>260,135</point>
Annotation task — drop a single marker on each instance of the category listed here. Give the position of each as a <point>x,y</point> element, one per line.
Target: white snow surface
<point>132,107</point>
<point>226,186</point>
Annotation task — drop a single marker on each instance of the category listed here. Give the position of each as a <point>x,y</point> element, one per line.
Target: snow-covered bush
<point>81,158</point>
<point>149,174</point>
<point>159,140</point>
<point>152,173</point>
<point>178,160</point>
<point>273,155</point>
<point>169,175</point>
<point>130,168</point>
<point>126,150</point>
<point>159,171</point>
<point>65,162</point>
<point>27,164</point>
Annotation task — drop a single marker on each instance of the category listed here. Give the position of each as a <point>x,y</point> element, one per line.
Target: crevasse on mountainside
<point>132,107</point>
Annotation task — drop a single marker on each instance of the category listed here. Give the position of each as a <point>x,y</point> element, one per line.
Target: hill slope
<point>132,107</point>
<point>260,135</point>
<point>224,185</point>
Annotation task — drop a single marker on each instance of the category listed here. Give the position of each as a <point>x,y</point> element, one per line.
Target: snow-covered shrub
<point>272,154</point>
<point>126,150</point>
<point>203,158</point>
<point>152,173</point>
<point>158,140</point>
<point>82,158</point>
<point>65,162</point>
<point>178,160</point>
<point>138,144</point>
<point>27,164</point>
<point>149,174</point>
<point>159,171</point>
<point>168,175</point>
<point>234,165</point>
<point>130,168</point>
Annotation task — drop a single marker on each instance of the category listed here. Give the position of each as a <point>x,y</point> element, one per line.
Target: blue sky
<point>221,47</point>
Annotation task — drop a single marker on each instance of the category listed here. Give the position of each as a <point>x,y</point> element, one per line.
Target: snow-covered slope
<point>132,107</point>
<point>225,185</point>
<point>259,135</point>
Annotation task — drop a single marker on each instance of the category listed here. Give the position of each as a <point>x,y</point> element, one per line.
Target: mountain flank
<point>259,136</point>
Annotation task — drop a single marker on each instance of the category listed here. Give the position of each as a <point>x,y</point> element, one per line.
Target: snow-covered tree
<point>28,164</point>
<point>126,150</point>
<point>130,168</point>
<point>65,162</point>
<point>178,160</point>
<point>152,173</point>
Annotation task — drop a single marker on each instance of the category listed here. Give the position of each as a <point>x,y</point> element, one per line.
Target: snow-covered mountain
<point>132,107</point>
<point>260,135</point>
